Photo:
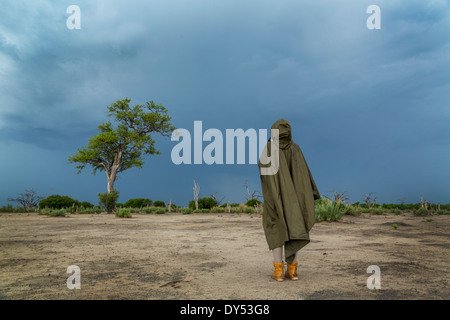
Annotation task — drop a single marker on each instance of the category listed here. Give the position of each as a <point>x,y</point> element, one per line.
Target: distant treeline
<point>404,207</point>
<point>65,202</point>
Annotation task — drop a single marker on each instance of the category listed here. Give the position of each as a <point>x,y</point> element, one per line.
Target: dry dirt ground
<point>219,256</point>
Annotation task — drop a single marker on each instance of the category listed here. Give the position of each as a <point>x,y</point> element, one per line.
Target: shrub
<point>252,202</point>
<point>85,204</point>
<point>159,203</point>
<point>377,211</point>
<point>90,210</point>
<point>204,203</point>
<point>138,203</point>
<point>186,211</point>
<point>231,205</point>
<point>327,210</point>
<point>57,202</point>
<point>108,200</point>
<point>352,211</point>
<point>45,211</point>
<point>442,212</point>
<point>161,210</point>
<point>58,213</point>
<point>150,209</point>
<point>397,211</point>
<point>420,212</point>
<point>249,210</point>
<point>123,213</point>
<point>217,210</point>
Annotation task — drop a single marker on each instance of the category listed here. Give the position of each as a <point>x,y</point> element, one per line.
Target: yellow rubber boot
<point>278,274</point>
<point>291,271</point>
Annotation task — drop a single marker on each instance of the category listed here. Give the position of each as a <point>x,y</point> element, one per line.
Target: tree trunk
<point>110,186</point>
<point>112,173</point>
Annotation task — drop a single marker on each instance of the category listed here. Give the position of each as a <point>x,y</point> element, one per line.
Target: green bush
<point>204,203</point>
<point>442,212</point>
<point>377,211</point>
<point>58,202</point>
<point>138,203</point>
<point>45,211</point>
<point>16,209</point>
<point>421,212</point>
<point>327,210</point>
<point>232,205</point>
<point>186,211</point>
<point>249,210</point>
<point>123,213</point>
<point>252,202</point>
<point>161,210</point>
<point>150,210</point>
<point>58,213</point>
<point>85,204</point>
<point>159,203</point>
<point>397,211</point>
<point>352,210</point>
<point>108,200</point>
<point>217,210</point>
<point>83,210</point>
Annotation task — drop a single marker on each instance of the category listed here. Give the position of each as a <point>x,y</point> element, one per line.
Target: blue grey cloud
<point>368,107</point>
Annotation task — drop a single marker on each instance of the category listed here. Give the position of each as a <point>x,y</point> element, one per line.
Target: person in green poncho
<point>289,192</point>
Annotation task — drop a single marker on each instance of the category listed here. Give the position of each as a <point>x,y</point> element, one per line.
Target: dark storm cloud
<point>354,96</point>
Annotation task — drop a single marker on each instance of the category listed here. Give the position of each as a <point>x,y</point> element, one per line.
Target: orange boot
<point>278,274</point>
<point>291,271</point>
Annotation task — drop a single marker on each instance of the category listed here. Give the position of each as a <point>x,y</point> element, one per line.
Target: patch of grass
<point>377,211</point>
<point>440,212</point>
<point>186,211</point>
<point>327,210</point>
<point>352,211</point>
<point>58,213</point>
<point>395,226</point>
<point>249,210</point>
<point>217,209</point>
<point>421,212</point>
<point>161,210</point>
<point>123,213</point>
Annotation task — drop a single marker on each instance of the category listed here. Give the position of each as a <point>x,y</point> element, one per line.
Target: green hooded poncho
<point>289,195</point>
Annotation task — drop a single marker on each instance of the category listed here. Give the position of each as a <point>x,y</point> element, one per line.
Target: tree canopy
<point>122,144</point>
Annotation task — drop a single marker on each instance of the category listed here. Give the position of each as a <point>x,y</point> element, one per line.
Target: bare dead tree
<point>368,199</point>
<point>196,193</point>
<point>252,194</point>
<point>338,197</point>
<point>27,200</point>
<point>214,196</point>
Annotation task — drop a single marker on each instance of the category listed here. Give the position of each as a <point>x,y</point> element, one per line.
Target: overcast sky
<point>369,108</point>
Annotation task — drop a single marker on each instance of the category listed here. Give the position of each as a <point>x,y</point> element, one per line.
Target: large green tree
<point>123,145</point>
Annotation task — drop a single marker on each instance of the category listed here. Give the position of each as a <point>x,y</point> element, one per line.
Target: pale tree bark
<point>196,193</point>
<point>111,171</point>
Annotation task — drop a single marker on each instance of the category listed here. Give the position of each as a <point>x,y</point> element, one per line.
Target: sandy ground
<point>219,256</point>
